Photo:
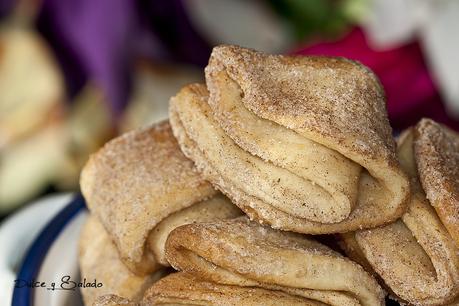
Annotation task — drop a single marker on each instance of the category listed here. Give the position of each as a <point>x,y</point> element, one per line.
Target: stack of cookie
<point>296,147</point>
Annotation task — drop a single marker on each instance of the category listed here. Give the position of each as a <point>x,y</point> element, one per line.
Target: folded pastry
<point>418,256</point>
<point>140,186</point>
<point>115,300</point>
<point>183,289</point>
<point>240,253</point>
<point>300,143</point>
<point>99,261</point>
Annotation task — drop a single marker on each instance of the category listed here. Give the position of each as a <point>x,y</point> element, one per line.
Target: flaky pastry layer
<point>99,260</point>
<point>140,185</point>
<point>416,256</point>
<point>248,179</point>
<point>242,253</point>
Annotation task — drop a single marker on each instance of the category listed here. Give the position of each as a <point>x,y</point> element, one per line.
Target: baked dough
<point>115,300</point>
<point>140,185</point>
<point>437,158</point>
<point>99,260</point>
<point>417,257</point>
<point>294,174</point>
<point>242,253</point>
<point>182,288</point>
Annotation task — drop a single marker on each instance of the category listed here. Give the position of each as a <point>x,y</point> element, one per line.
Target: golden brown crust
<point>243,253</point>
<point>376,205</point>
<point>99,260</point>
<point>134,182</point>
<point>437,158</point>
<point>415,256</point>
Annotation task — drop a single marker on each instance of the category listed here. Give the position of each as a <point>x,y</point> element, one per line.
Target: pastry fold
<point>416,256</point>
<point>115,300</point>
<point>140,186</point>
<point>437,160</point>
<point>182,288</point>
<point>99,260</point>
<point>301,143</point>
<point>242,253</point>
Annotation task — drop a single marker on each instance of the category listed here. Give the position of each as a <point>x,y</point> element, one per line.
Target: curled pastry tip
<point>418,256</point>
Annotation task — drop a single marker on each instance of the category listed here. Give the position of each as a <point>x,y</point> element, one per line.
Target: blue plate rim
<point>36,253</point>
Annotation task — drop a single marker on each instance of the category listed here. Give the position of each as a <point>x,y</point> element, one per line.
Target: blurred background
<point>74,74</point>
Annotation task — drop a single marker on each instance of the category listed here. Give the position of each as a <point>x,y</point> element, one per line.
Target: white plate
<point>52,256</point>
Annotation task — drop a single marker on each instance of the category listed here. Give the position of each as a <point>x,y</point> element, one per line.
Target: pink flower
<point>411,92</point>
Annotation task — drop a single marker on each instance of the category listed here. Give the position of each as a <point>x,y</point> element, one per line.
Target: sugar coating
<point>332,97</point>
<point>134,182</point>
<point>244,253</point>
<point>437,157</point>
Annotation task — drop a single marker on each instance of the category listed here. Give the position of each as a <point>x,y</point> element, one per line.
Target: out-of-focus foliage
<point>324,18</point>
